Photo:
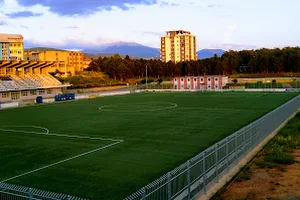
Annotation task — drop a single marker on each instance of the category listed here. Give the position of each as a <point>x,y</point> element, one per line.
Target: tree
<point>160,80</point>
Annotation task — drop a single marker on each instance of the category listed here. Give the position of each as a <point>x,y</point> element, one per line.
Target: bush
<point>149,80</point>
<point>262,163</point>
<point>280,158</point>
<point>245,174</point>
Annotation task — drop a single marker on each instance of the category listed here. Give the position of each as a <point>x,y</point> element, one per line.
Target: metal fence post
<point>188,179</point>
<point>217,162</point>
<point>68,197</point>
<point>244,141</point>
<point>204,172</point>
<point>144,194</point>
<point>169,186</point>
<point>227,152</point>
<point>30,193</point>
<point>236,150</point>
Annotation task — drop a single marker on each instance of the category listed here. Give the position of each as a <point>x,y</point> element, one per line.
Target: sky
<point>225,24</point>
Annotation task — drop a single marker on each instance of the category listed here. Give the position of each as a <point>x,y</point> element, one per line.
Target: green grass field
<point>62,147</point>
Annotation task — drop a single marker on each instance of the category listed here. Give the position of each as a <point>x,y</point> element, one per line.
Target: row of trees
<point>246,61</point>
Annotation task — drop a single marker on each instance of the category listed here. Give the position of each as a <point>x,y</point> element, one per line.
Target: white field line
<point>54,134</point>
<point>111,108</point>
<point>58,135</point>
<point>62,161</point>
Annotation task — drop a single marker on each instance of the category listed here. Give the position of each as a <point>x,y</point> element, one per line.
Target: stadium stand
<point>24,81</point>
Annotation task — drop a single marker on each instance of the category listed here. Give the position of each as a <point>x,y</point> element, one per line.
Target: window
<point>216,79</point>
<point>15,95</point>
<point>188,80</point>
<point>175,79</point>
<point>181,79</point>
<point>5,95</point>
<point>33,92</point>
<point>201,79</point>
<point>41,91</point>
<point>24,93</point>
<point>195,79</point>
<point>49,91</point>
<point>208,79</point>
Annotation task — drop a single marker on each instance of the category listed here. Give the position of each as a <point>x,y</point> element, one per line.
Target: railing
<point>14,192</point>
<point>194,176</point>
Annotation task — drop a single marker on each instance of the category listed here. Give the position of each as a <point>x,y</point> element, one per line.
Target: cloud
<point>153,33</point>
<point>213,5</point>
<point>233,46</point>
<point>79,7</point>
<point>67,43</point>
<point>3,23</point>
<point>71,27</point>
<point>228,34</point>
<point>23,14</point>
<point>24,27</point>
<point>167,4</point>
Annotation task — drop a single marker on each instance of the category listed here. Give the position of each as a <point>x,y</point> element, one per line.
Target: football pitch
<point>107,148</point>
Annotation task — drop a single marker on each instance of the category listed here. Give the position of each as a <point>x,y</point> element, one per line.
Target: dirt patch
<point>279,183</point>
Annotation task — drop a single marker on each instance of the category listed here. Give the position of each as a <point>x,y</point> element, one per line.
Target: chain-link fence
<point>15,192</point>
<point>193,177</point>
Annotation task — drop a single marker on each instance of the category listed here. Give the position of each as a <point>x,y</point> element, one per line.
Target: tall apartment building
<point>11,47</point>
<point>69,61</point>
<point>178,46</point>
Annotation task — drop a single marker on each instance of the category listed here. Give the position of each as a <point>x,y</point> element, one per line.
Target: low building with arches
<point>209,82</point>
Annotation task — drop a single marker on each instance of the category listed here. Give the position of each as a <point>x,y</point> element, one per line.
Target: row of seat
<point>28,81</point>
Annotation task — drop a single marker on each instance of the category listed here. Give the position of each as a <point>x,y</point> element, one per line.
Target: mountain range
<point>126,48</point>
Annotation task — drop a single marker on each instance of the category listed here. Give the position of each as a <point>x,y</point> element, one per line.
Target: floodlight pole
<point>146,79</point>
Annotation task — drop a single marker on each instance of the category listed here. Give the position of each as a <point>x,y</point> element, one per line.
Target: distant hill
<point>208,53</point>
<point>131,49</point>
<point>134,50</point>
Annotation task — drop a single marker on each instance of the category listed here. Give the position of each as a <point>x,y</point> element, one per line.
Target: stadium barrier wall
<point>9,105</point>
<point>219,90</point>
<point>101,94</point>
<point>203,171</point>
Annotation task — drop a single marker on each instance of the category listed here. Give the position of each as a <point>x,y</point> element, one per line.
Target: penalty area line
<point>62,161</point>
<point>47,133</point>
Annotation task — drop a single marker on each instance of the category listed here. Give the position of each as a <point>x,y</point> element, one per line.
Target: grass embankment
<point>295,84</point>
<point>99,79</point>
<point>90,80</point>
<point>279,150</point>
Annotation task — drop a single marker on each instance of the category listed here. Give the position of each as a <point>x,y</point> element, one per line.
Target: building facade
<point>200,82</point>
<point>86,62</point>
<point>178,46</point>
<point>67,61</point>
<point>11,47</point>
